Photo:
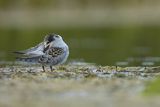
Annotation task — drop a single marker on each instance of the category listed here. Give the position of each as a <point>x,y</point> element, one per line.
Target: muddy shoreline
<point>76,85</point>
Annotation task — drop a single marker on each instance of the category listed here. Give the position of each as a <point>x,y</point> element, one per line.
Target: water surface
<point>120,45</point>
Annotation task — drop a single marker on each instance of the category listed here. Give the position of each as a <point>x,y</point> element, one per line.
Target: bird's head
<point>52,39</point>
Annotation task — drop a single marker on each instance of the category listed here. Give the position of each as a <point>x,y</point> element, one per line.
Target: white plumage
<point>52,51</point>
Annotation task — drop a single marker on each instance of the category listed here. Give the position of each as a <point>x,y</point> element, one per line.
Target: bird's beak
<point>46,45</point>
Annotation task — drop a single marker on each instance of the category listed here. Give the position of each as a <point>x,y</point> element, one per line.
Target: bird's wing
<point>55,51</point>
<point>29,59</point>
<point>52,55</point>
<point>34,51</point>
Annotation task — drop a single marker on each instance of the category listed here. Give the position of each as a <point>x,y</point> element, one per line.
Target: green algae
<point>153,88</point>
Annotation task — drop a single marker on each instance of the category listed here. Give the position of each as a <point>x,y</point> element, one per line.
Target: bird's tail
<point>19,52</point>
<point>28,59</point>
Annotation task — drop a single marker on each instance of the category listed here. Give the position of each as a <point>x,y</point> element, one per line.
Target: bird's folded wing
<point>55,51</point>
<point>29,59</point>
<point>34,51</point>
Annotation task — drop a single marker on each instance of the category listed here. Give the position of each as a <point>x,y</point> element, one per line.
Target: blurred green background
<point>106,32</point>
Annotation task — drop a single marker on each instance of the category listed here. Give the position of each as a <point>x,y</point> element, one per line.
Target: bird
<point>52,51</point>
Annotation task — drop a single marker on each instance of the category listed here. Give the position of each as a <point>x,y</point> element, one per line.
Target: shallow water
<point>121,45</point>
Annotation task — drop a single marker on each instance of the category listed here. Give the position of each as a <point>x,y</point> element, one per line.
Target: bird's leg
<point>43,68</point>
<point>116,68</point>
<point>51,68</point>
